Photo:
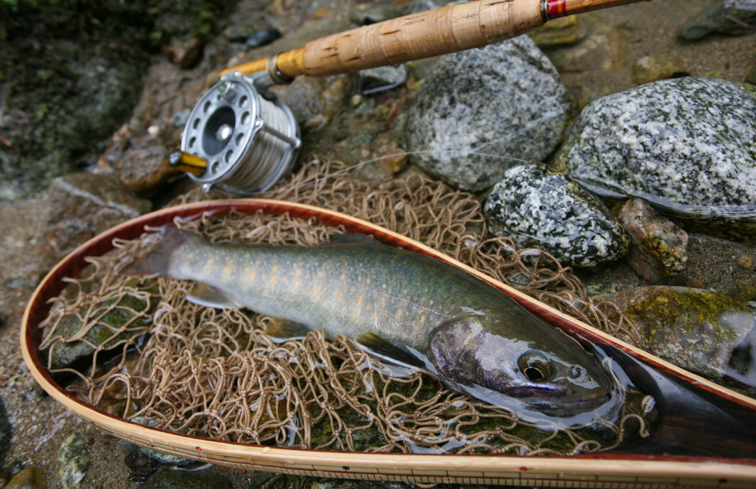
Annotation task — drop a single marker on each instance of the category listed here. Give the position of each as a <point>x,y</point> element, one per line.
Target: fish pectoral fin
<point>372,343</point>
<point>280,330</point>
<point>205,295</point>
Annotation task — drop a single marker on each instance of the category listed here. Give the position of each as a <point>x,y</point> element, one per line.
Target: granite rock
<point>539,208</point>
<point>83,205</point>
<point>659,246</point>
<point>73,461</point>
<point>684,145</point>
<point>727,17</point>
<point>484,110</point>
<point>691,328</point>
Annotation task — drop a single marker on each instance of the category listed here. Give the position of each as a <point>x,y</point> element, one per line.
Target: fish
<point>405,308</point>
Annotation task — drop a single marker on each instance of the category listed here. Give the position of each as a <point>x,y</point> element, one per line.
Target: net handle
<point>416,36</point>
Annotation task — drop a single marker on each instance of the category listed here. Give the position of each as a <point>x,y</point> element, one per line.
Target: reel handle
<point>431,33</point>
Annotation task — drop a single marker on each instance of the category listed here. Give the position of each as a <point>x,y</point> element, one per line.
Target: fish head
<point>485,355</point>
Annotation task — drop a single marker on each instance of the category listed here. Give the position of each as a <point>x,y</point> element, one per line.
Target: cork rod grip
<point>431,33</point>
<point>435,32</point>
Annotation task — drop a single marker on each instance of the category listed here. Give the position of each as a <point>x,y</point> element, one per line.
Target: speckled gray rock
<point>505,102</point>
<point>728,17</point>
<point>684,145</point>
<point>692,328</point>
<point>73,461</point>
<point>659,246</point>
<point>539,208</point>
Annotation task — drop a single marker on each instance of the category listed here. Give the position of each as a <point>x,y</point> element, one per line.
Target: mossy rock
<point>70,355</point>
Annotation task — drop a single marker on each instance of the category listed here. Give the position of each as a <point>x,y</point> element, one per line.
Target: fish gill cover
<point>164,361</point>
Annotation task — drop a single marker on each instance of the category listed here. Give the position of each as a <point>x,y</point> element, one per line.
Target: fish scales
<point>337,292</point>
<point>419,311</point>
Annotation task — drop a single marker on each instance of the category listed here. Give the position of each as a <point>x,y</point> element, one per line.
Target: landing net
<point>178,366</point>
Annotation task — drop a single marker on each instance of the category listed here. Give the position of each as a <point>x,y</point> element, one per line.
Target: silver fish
<point>405,307</point>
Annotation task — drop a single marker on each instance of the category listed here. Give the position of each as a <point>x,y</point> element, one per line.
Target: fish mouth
<point>568,408</point>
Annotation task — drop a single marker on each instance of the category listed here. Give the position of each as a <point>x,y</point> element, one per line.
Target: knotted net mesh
<point>155,358</point>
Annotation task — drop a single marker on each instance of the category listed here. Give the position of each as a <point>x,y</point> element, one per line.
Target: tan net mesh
<point>208,372</point>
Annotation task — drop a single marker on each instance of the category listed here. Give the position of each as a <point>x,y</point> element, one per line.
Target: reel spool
<point>237,139</point>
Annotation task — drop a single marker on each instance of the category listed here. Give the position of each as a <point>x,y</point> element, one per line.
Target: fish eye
<point>535,366</point>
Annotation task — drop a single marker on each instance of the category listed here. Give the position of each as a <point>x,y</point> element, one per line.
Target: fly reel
<point>237,139</point>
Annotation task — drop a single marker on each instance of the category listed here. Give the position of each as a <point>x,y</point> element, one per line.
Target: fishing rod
<point>242,139</point>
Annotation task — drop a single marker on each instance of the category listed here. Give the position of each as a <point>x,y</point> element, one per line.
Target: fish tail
<point>157,262</point>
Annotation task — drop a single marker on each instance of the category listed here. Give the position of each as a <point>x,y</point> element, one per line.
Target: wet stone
<point>68,355</point>
<point>314,101</point>
<point>6,431</point>
<point>183,51</point>
<point>263,37</point>
<point>73,461</point>
<point>157,455</point>
<point>168,478</point>
<point>684,145</point>
<point>481,110</point>
<point>380,79</point>
<point>691,328</point>
<point>83,205</point>
<point>659,247</point>
<point>540,208</point>
<point>559,32</point>
<point>144,167</point>
<point>372,14</point>
<point>239,32</point>
<point>180,118</point>
<point>727,17</point>
<point>654,68</point>
<point>29,478</point>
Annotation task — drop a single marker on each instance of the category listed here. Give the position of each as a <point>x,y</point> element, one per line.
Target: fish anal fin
<point>280,330</point>
<point>205,295</point>
<point>372,343</point>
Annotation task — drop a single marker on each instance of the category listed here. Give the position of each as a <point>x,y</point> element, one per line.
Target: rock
<point>239,32</point>
<point>380,79</point>
<point>101,335</point>
<point>144,167</point>
<point>654,68</point>
<point>179,118</point>
<point>659,246</point>
<point>691,328</point>
<point>183,51</point>
<point>263,37</point>
<point>314,101</point>
<point>372,14</point>
<point>6,431</point>
<point>719,265</point>
<point>559,32</point>
<point>505,100</point>
<point>162,457</point>
<point>83,205</point>
<point>166,478</point>
<point>73,461</point>
<point>751,76</point>
<point>539,208</point>
<point>684,145</point>
<point>727,17</point>
<point>394,161</point>
<point>29,478</point>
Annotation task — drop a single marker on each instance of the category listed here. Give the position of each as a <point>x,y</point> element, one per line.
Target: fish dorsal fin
<point>351,239</point>
<point>280,330</point>
<point>205,295</point>
<point>372,343</point>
